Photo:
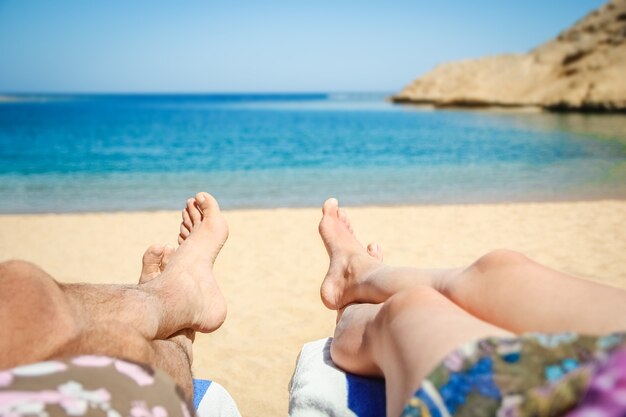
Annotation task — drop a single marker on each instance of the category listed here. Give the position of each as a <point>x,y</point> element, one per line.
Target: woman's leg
<point>503,288</point>
<point>513,292</point>
<point>404,339</point>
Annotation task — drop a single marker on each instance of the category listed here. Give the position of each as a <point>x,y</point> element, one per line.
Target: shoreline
<point>350,206</point>
<point>272,266</point>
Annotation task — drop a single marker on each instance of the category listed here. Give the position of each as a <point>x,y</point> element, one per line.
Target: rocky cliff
<point>583,69</point>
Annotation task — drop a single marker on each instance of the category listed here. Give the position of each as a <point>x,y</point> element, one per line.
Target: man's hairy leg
<point>45,324</point>
<point>184,295</point>
<point>43,317</point>
<point>134,305</point>
<point>36,313</point>
<point>119,340</point>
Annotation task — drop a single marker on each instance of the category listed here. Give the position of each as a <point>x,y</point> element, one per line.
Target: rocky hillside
<point>583,69</point>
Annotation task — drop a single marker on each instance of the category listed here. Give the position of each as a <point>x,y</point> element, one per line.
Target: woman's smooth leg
<point>503,287</point>
<point>404,339</point>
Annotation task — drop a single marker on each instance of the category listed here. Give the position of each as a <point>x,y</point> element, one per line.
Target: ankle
<point>159,299</point>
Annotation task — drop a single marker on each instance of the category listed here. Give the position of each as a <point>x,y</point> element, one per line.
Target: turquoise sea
<point>67,153</point>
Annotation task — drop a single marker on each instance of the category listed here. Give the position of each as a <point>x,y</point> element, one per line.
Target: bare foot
<point>154,261</point>
<point>350,262</point>
<point>357,275</point>
<point>351,346</point>
<point>187,285</point>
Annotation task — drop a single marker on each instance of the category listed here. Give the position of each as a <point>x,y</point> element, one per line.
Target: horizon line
<point>198,93</point>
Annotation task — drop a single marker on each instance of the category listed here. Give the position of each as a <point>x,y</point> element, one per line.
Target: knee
<point>18,269</point>
<point>34,309</point>
<point>499,259</point>
<point>24,280</point>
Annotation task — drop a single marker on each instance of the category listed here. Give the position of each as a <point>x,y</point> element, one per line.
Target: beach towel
<point>319,388</point>
<point>210,399</point>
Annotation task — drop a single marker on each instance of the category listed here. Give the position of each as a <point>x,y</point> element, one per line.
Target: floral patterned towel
<point>532,375</point>
<point>90,386</point>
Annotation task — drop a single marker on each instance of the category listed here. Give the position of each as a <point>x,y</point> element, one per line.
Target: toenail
<point>200,198</point>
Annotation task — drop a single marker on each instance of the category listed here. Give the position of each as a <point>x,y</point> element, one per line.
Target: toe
<point>152,255</point>
<point>150,263</point>
<point>207,204</point>
<point>331,207</point>
<point>184,232</point>
<point>375,251</point>
<point>187,219</point>
<point>193,212</point>
<point>168,251</point>
<point>343,216</point>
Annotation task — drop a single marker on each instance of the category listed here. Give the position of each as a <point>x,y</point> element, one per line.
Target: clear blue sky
<point>258,46</point>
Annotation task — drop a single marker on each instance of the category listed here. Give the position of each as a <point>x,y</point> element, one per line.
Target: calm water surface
<point>101,153</point>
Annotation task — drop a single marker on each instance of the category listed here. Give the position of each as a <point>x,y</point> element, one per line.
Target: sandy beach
<point>273,263</point>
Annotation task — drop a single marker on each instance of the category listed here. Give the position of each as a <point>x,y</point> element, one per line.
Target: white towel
<point>319,388</point>
<point>212,400</point>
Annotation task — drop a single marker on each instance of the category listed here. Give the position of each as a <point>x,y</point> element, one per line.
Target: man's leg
<point>62,335</point>
<point>42,325</point>
<point>503,288</point>
<point>36,314</point>
<point>45,316</point>
<point>173,355</point>
<point>184,295</point>
<point>119,340</point>
<point>404,339</point>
